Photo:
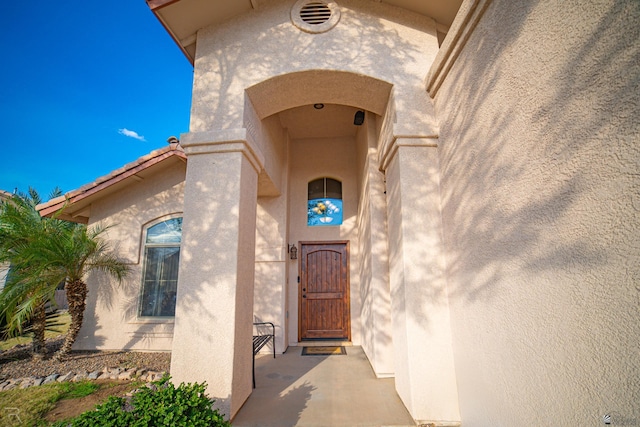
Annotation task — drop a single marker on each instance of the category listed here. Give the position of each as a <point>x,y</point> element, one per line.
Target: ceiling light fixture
<point>318,106</point>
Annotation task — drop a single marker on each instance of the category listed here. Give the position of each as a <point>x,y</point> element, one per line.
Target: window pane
<point>169,231</point>
<point>160,281</point>
<point>324,211</point>
<point>316,189</point>
<point>334,189</point>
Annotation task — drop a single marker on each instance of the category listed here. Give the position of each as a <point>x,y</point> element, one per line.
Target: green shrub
<point>161,404</point>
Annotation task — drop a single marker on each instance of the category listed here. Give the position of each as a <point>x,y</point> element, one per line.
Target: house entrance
<point>324,291</point>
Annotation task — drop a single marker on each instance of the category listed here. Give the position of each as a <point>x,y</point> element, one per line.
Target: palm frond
<point>44,252</point>
<point>20,298</point>
<point>56,192</point>
<point>32,278</point>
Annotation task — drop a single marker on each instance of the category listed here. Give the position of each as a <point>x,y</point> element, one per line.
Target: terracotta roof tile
<point>112,178</point>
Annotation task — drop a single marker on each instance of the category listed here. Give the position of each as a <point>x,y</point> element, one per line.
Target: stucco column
<point>213,322</point>
<point>424,366</point>
<point>374,268</point>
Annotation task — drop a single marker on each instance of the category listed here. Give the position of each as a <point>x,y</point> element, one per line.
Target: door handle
<point>304,296</point>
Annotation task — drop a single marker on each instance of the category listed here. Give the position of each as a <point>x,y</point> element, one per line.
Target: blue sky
<point>85,87</point>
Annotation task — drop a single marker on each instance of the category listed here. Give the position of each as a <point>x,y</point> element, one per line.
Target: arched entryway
<point>332,123</point>
<point>246,203</point>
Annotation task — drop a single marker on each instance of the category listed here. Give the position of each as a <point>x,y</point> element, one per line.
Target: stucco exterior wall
<point>373,268</point>
<point>374,39</point>
<point>425,375</point>
<point>259,64</point>
<point>111,318</point>
<point>270,298</point>
<point>387,43</point>
<point>216,282</point>
<point>539,152</point>
<point>312,159</point>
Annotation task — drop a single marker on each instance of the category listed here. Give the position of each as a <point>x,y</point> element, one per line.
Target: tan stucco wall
<point>372,39</point>
<point>270,297</point>
<point>388,44</point>
<point>111,319</point>
<point>214,309</point>
<point>422,343</point>
<point>373,268</point>
<point>259,64</point>
<point>539,150</point>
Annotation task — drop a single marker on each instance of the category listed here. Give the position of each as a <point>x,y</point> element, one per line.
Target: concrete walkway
<point>296,390</point>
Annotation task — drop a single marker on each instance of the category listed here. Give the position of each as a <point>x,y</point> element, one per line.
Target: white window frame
<point>145,246</point>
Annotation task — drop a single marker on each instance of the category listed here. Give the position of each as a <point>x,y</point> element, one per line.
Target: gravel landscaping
<point>17,362</point>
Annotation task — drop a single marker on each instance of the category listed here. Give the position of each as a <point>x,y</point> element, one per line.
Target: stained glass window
<point>324,202</point>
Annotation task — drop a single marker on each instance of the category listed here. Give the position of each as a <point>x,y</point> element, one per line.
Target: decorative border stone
<point>131,374</point>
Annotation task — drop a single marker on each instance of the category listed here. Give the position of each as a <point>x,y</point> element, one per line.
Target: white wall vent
<point>315,16</point>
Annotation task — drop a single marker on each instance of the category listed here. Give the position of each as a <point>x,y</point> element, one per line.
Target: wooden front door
<point>324,291</point>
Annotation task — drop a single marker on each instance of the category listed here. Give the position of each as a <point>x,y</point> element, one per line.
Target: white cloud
<point>131,134</point>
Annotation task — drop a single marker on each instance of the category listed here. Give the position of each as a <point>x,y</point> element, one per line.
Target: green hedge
<point>161,404</point>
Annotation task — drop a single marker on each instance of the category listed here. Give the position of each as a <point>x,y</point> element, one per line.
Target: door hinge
<point>298,279</point>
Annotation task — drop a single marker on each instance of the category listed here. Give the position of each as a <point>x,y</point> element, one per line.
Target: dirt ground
<point>70,408</point>
<point>17,363</point>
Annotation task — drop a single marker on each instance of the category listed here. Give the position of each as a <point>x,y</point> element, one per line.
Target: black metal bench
<point>260,341</point>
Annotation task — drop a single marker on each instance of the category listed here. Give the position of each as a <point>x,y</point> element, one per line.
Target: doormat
<point>324,351</point>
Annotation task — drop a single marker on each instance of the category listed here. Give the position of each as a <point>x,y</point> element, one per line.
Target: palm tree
<point>69,254</point>
<point>44,252</point>
<point>24,299</point>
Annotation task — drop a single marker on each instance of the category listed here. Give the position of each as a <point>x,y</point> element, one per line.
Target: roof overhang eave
<point>156,6</point>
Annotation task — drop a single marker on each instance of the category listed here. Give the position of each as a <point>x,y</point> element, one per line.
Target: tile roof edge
<point>172,149</point>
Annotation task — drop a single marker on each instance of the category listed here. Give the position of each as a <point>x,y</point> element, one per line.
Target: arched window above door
<point>324,202</point>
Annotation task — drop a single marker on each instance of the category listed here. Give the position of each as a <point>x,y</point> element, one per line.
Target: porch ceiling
<point>332,121</point>
<point>183,18</point>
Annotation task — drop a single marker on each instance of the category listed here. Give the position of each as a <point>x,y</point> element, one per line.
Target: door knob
<point>304,289</point>
<point>304,296</point>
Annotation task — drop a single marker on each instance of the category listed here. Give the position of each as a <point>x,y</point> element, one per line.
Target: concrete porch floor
<point>296,390</point>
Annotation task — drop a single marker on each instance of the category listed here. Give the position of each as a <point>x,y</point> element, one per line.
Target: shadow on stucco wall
<point>112,306</point>
<point>273,46</point>
<point>567,130</point>
<point>373,268</point>
<point>89,335</point>
<point>218,258</point>
<point>375,47</point>
<point>539,166</point>
<point>269,294</point>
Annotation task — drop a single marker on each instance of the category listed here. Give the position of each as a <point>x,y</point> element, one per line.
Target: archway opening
<point>325,124</point>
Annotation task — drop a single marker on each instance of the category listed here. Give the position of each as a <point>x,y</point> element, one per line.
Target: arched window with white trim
<point>324,202</point>
<point>160,272</point>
